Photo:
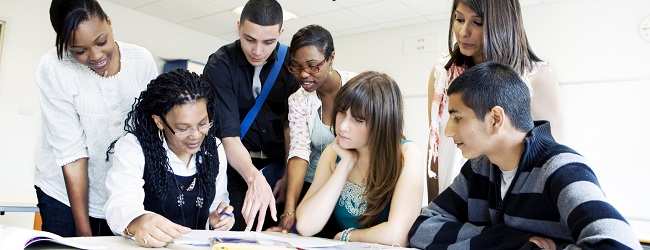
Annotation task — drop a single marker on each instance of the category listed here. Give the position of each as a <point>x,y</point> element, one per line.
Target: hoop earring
<point>161,135</point>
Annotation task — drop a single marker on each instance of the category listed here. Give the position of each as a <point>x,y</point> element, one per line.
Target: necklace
<point>180,199</point>
<point>363,179</point>
<point>189,187</point>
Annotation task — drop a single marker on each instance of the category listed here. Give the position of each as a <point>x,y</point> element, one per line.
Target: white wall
<point>593,46</point>
<point>28,36</point>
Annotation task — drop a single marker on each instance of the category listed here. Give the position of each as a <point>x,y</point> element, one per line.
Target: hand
<point>280,189</point>
<point>154,230</point>
<point>544,243</point>
<point>222,218</point>
<point>259,197</point>
<point>345,154</point>
<point>285,225</point>
<point>287,222</point>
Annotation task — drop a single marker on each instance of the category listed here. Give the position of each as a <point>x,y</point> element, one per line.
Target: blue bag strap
<point>268,84</point>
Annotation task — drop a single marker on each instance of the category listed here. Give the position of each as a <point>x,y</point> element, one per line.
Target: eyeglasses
<point>203,129</point>
<point>309,69</point>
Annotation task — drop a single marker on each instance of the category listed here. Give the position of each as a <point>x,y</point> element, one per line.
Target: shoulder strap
<point>268,84</point>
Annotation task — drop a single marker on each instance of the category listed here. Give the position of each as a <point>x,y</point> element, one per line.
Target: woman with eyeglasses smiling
<point>169,170</point>
<point>312,59</point>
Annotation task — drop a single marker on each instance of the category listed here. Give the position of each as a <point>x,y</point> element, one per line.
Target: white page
<point>19,238</point>
<point>201,237</point>
<point>299,241</point>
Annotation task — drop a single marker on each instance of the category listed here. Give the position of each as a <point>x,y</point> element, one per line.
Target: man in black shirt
<point>233,70</point>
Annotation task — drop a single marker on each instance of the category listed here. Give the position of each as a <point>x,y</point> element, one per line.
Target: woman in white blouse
<point>169,170</point>
<point>86,85</point>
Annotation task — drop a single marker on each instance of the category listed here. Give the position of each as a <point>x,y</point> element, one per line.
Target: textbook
<point>20,238</point>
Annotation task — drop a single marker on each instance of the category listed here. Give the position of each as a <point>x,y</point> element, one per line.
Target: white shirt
<point>82,114</point>
<point>125,183</point>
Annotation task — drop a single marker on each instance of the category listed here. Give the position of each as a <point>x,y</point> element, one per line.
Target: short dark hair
<point>67,15</point>
<point>262,12</point>
<point>491,84</point>
<point>313,35</point>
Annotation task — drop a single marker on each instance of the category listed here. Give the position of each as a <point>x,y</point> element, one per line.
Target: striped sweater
<point>554,194</point>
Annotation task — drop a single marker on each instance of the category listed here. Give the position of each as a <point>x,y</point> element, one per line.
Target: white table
<point>119,242</point>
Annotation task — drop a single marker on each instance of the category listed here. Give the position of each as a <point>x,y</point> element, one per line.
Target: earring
<point>330,72</point>
<point>161,135</point>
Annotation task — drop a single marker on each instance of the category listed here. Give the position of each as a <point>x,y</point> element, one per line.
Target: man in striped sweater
<point>521,189</point>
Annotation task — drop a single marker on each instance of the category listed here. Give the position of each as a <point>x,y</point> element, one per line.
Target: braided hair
<point>173,88</point>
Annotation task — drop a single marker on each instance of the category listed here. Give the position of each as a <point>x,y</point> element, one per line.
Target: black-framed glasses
<point>203,129</point>
<point>309,69</point>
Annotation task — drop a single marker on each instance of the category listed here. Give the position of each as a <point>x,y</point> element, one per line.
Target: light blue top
<point>321,136</point>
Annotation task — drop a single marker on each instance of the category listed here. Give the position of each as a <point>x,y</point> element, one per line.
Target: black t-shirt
<point>232,75</point>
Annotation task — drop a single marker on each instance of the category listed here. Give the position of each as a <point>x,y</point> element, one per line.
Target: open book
<point>266,239</point>
<point>19,238</point>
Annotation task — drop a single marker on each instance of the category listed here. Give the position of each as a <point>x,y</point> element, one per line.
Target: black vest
<point>184,212</point>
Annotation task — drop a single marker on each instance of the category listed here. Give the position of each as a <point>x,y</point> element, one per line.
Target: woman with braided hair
<point>169,170</point>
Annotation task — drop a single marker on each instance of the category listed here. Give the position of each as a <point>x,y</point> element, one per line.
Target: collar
<point>537,141</point>
<point>177,165</point>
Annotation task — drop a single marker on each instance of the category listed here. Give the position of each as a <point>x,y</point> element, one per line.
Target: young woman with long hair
<point>369,177</point>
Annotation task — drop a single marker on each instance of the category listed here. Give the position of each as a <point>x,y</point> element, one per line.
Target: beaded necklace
<point>180,199</point>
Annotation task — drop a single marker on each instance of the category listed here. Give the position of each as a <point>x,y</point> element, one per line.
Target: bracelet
<point>345,235</point>
<point>128,234</point>
<point>286,214</point>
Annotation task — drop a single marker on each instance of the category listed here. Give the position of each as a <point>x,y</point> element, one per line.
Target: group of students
<point>213,151</point>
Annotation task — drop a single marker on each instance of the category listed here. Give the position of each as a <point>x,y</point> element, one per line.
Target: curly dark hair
<point>162,94</point>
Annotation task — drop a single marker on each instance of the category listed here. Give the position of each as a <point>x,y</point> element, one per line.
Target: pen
<point>226,213</point>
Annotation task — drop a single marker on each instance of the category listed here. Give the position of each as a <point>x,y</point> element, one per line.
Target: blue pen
<point>226,213</point>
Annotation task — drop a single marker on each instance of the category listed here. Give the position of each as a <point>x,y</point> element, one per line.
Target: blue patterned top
<point>352,204</point>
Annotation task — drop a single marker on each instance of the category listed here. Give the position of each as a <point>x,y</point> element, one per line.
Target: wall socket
<point>421,44</point>
<point>25,110</point>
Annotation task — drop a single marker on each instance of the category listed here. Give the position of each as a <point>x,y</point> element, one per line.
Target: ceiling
<point>343,17</point>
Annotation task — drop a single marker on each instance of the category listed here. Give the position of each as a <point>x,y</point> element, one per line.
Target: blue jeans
<point>57,218</point>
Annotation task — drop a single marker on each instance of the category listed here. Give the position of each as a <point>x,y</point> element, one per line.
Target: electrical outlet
<point>25,110</point>
<point>421,44</point>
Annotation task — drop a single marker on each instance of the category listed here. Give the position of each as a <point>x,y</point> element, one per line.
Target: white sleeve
<point>63,129</point>
<point>124,183</point>
<point>221,182</point>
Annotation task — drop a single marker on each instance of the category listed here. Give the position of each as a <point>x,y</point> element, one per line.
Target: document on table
<point>201,237</point>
